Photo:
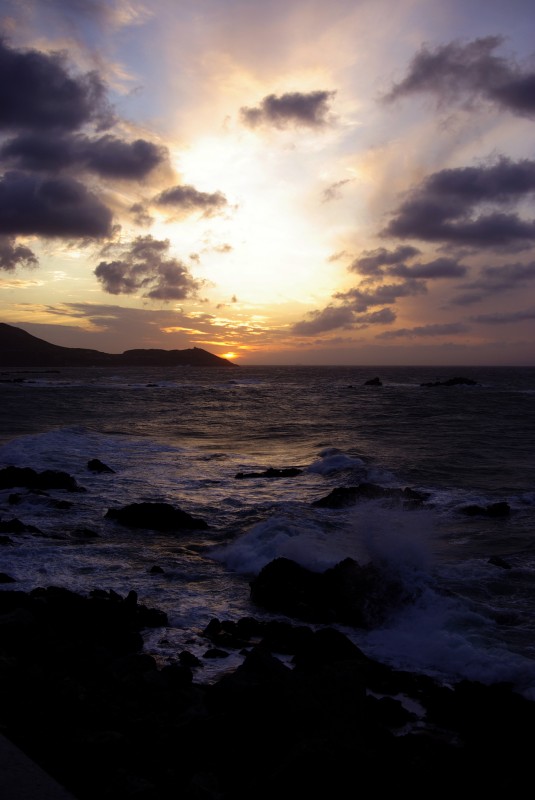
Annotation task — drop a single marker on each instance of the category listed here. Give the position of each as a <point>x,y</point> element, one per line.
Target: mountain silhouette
<point>20,349</point>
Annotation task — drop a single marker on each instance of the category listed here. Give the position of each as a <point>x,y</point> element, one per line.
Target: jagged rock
<point>347,593</point>
<point>156,517</point>
<point>344,496</point>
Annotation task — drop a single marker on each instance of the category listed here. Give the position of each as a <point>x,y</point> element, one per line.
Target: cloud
<point>361,300</point>
<point>144,266</point>
<point>333,317</point>
<point>107,156</point>
<point>443,207</point>
<point>496,280</point>
<point>437,329</point>
<point>293,108</point>
<point>188,199</point>
<point>50,207</point>
<point>13,255</point>
<point>370,262</point>
<point>381,262</point>
<point>38,92</point>
<point>470,71</point>
<point>333,192</point>
<point>504,318</point>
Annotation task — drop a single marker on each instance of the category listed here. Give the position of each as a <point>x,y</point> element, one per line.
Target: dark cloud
<point>504,318</point>
<point>439,268</point>
<point>38,92</point>
<point>13,255</point>
<point>333,317</point>
<point>50,207</point>
<point>443,208</point>
<point>467,72</point>
<point>188,199</point>
<point>437,329</point>
<point>361,300</point>
<point>106,156</point>
<point>371,262</point>
<point>144,266</point>
<point>293,108</point>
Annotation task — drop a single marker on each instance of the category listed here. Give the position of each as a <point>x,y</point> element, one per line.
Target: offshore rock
<point>502,509</point>
<point>156,517</point>
<point>288,472</point>
<point>96,465</point>
<point>344,496</point>
<point>11,477</point>
<point>457,381</point>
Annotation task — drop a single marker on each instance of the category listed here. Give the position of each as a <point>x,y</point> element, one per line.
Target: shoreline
<point>86,704</point>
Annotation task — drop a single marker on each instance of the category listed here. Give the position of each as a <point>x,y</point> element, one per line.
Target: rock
<point>373,382</point>
<point>344,496</point>
<point>155,516</point>
<point>11,477</point>
<point>458,381</point>
<point>347,593</point>
<point>95,465</point>
<point>289,472</point>
<point>493,510</point>
<point>5,578</point>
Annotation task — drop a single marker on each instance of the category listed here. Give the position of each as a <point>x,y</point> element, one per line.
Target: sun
<point>230,356</point>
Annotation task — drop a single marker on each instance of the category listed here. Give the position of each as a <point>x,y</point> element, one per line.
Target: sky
<point>276,182</point>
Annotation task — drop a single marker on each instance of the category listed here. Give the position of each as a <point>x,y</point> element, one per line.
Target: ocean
<point>182,435</point>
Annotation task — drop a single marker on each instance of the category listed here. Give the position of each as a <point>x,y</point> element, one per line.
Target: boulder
<point>343,496</point>
<point>156,517</point>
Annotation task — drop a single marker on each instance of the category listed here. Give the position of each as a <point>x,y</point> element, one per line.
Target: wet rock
<point>344,496</point>
<point>95,465</point>
<point>11,477</point>
<point>288,472</point>
<point>155,516</point>
<point>501,509</point>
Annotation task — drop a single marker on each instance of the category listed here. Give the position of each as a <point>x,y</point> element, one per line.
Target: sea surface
<point>181,436</point>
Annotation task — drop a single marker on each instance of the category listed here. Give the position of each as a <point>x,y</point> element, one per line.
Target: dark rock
<point>16,526</point>
<point>373,382</point>
<point>493,510</point>
<point>95,465</point>
<point>458,381</point>
<point>5,541</point>
<point>289,472</point>
<point>156,570</point>
<point>344,496</point>
<point>106,722</point>
<point>499,562</point>
<point>155,516</point>
<point>11,477</point>
<point>347,593</point>
<point>5,578</point>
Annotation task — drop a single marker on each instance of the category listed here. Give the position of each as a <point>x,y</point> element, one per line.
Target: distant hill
<point>20,349</point>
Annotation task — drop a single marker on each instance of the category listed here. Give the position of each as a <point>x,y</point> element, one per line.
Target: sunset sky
<point>297,182</point>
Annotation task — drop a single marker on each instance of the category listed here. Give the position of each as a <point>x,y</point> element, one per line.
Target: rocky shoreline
<point>306,714</point>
